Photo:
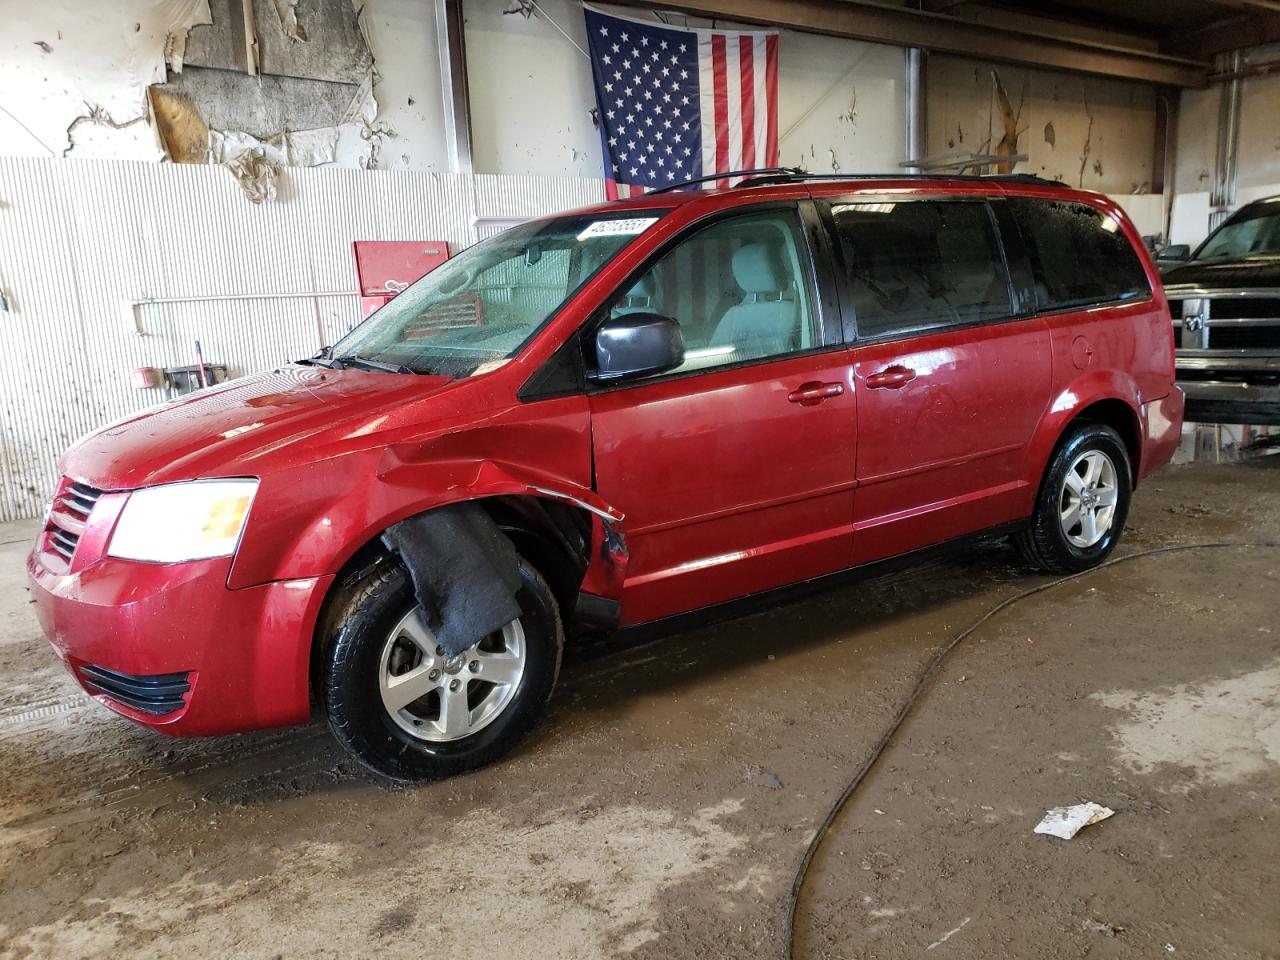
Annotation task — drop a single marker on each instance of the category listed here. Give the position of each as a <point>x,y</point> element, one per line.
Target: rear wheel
<point>1083,502</point>
<point>407,710</point>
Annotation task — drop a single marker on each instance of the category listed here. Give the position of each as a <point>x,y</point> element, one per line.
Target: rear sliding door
<point>951,372</point>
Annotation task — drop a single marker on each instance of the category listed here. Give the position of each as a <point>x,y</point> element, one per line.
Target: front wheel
<point>1083,502</point>
<point>409,712</point>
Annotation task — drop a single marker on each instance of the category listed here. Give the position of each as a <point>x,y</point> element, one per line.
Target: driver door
<point>736,470</point>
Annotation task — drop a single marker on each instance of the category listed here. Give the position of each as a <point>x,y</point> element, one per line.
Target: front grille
<point>1228,320</point>
<point>71,508</point>
<point>156,694</point>
<point>1246,308</point>
<point>1243,337</point>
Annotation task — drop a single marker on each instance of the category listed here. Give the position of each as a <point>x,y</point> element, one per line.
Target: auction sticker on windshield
<point>618,228</point>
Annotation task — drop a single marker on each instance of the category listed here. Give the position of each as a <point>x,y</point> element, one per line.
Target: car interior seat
<point>640,298</point>
<point>767,320</point>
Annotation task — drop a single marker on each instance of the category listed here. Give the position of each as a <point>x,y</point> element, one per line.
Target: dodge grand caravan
<point>605,419</point>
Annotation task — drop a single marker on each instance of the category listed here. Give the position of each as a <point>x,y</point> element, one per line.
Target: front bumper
<point>1223,401</point>
<point>133,633</point>
<point>1241,387</point>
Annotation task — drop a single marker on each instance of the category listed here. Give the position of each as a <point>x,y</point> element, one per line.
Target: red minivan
<point>604,419</point>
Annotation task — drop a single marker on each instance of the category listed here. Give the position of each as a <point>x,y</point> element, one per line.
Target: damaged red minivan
<point>604,419</point>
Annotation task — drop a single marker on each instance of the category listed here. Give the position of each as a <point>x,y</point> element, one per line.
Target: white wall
<point>402,36</point>
<point>841,103</point>
<point>100,54</point>
<point>1257,161</point>
<point>78,241</point>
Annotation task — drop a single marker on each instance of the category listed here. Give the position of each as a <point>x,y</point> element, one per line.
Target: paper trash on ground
<point>1066,822</point>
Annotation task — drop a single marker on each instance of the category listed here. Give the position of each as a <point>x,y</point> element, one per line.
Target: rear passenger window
<point>1079,254</point>
<point>921,264</point>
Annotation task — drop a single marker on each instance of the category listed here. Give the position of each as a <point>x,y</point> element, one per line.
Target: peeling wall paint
<point>1092,132</point>
<point>74,76</point>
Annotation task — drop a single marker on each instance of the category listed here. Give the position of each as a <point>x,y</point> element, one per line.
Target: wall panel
<point>79,240</point>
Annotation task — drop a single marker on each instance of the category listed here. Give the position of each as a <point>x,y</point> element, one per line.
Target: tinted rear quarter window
<point>1080,255</point>
<point>921,264</point>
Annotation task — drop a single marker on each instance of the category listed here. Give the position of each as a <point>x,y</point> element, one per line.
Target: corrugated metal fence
<point>81,240</point>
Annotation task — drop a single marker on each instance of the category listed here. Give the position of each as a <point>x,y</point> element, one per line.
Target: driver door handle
<point>891,378</point>
<point>814,392</point>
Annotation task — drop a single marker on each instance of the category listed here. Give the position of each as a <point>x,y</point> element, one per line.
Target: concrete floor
<point>663,807</point>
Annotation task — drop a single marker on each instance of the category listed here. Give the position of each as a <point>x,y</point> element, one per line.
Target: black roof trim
<point>766,176</point>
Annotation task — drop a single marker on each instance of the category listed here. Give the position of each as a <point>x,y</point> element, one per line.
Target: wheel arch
<point>1123,419</point>
<point>1106,397</point>
<point>554,535</point>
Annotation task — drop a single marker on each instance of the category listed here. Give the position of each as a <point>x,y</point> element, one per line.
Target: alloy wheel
<point>1087,502</point>
<point>438,698</point>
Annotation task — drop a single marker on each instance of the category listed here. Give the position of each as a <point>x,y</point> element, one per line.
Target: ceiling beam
<point>902,26</point>
<point>1223,36</point>
<point>1250,6</point>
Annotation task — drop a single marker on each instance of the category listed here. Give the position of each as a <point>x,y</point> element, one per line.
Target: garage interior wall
<point>81,241</point>
<point>1257,156</point>
<point>841,103</point>
<point>1089,132</point>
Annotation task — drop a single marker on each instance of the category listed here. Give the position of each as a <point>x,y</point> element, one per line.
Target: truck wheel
<point>407,711</point>
<point>1083,502</point>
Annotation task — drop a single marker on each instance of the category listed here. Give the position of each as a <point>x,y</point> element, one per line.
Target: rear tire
<point>1083,502</point>
<point>377,640</point>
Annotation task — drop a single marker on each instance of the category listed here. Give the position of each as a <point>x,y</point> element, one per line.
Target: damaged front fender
<point>465,572</point>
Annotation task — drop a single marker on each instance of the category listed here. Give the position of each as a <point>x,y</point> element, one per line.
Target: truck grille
<point>1229,320</point>
<point>156,694</point>
<point>71,508</point>
<point>1244,338</point>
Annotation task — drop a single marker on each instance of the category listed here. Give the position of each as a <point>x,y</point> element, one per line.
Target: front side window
<point>1253,232</point>
<point>485,304</point>
<point>1079,254</point>
<point>739,289</point>
<point>921,264</point>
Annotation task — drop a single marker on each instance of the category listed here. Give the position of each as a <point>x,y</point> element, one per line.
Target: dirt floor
<point>663,808</point>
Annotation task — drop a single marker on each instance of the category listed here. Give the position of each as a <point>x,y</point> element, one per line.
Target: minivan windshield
<point>1254,231</point>
<point>482,306</point>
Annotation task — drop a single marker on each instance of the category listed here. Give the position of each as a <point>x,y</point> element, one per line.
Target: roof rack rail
<point>781,173</point>
<point>800,175</point>
<point>764,176</point>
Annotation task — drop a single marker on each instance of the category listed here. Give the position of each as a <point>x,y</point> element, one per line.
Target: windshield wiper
<point>322,359</point>
<point>359,362</point>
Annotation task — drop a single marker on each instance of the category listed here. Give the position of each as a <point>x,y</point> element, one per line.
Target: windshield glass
<point>485,304</point>
<point>1255,231</point>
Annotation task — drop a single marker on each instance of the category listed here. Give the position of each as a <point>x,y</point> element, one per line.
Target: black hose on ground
<point>922,684</point>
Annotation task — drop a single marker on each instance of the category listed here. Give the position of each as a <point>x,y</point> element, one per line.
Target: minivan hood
<point>231,429</point>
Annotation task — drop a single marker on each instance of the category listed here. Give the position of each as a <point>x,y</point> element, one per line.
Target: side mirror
<point>1176,251</point>
<point>637,344</point>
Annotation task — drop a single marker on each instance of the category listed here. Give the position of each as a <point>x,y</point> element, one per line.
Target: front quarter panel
<point>314,517</point>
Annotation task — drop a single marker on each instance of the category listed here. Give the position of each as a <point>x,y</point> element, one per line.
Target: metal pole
<point>917,146</point>
<point>1225,171</point>
<point>453,84</point>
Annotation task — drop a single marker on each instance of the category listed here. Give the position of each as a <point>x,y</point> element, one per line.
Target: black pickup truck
<point>1226,297</point>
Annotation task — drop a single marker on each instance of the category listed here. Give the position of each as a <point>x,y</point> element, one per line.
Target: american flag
<point>676,104</point>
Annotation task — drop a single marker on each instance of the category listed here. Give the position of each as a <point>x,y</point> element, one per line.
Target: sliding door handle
<point>891,378</point>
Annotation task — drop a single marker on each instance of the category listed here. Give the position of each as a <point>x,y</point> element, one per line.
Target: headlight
<point>183,521</point>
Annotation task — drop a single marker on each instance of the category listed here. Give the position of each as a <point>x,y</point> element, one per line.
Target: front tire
<point>409,713</point>
<point>1083,502</point>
